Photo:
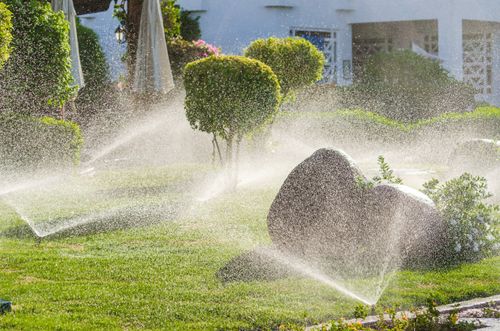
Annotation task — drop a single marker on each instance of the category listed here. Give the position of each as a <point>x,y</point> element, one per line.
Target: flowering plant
<point>206,48</point>
<point>471,222</point>
<point>181,52</point>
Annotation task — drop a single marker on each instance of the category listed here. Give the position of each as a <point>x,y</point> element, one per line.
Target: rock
<point>408,219</point>
<point>321,213</point>
<point>318,204</point>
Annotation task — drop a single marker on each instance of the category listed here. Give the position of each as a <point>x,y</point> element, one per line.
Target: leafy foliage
<point>386,176</point>
<point>406,86</point>
<point>171,18</point>
<point>5,33</point>
<point>94,66</point>
<point>229,96</point>
<point>38,72</point>
<point>181,52</point>
<point>190,26</point>
<point>471,222</point>
<point>97,91</point>
<point>296,61</point>
<point>27,142</point>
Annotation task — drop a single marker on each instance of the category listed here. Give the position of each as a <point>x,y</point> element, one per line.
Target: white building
<point>465,34</point>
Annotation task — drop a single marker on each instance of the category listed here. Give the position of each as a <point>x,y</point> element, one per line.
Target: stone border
<point>490,323</point>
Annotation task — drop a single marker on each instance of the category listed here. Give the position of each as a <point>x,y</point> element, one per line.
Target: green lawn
<point>164,275</point>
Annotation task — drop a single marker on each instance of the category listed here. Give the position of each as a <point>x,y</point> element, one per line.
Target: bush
<point>97,91</point>
<point>296,61</point>
<point>230,96</point>
<point>408,87</point>
<point>28,142</point>
<point>38,72</point>
<point>5,33</point>
<point>359,130</point>
<point>171,19</point>
<point>181,52</point>
<point>190,26</point>
<point>473,225</point>
<point>93,60</point>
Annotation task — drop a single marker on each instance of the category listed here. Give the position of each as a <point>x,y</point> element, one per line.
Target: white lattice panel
<point>478,62</point>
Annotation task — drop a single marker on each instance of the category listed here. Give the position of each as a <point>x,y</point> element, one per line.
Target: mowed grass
<point>164,276</point>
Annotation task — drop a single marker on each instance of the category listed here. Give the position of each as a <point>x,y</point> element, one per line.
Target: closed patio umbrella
<point>69,12</point>
<point>152,66</point>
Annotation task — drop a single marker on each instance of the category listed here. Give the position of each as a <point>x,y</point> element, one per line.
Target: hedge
<point>361,128</point>
<point>408,87</point>
<point>29,143</point>
<point>5,33</point>
<point>37,77</point>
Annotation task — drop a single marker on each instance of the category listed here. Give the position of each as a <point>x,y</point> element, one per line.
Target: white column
<point>450,33</point>
<point>344,55</point>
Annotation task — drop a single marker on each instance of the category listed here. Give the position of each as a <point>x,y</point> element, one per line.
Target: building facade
<point>463,34</point>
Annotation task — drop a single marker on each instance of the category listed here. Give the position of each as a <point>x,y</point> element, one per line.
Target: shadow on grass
<point>118,219</point>
<point>252,266</point>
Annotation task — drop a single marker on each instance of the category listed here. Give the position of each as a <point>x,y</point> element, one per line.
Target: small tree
<point>296,61</point>
<point>5,33</point>
<point>38,72</point>
<point>229,97</point>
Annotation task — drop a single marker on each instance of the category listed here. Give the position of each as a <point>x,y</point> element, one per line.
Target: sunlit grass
<point>164,276</point>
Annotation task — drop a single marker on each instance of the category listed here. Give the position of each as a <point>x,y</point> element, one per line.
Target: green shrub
<point>230,96</point>
<point>28,142</point>
<point>38,72</point>
<point>5,33</point>
<point>190,26</point>
<point>296,61</point>
<point>97,91</point>
<point>93,60</point>
<point>408,87</point>
<point>472,224</point>
<point>171,18</point>
<point>181,52</point>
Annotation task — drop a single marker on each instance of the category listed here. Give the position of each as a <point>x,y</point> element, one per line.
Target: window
<point>431,44</point>
<point>325,41</point>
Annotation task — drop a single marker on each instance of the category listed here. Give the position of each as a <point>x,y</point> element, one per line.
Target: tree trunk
<point>237,160</point>
<point>218,149</point>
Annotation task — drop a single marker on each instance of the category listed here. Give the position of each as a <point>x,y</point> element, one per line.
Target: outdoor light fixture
<point>120,34</point>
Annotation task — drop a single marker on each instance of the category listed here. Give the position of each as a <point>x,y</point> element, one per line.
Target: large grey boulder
<point>321,213</point>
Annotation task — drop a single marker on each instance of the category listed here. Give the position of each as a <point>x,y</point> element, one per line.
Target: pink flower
<point>199,43</point>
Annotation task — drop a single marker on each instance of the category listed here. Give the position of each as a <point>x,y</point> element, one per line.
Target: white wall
<point>233,24</point>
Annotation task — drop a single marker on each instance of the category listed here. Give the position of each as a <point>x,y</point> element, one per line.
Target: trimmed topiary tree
<point>37,77</point>
<point>406,86</point>
<point>5,33</point>
<point>229,97</point>
<point>296,61</point>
